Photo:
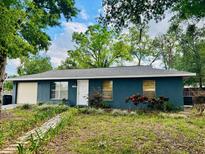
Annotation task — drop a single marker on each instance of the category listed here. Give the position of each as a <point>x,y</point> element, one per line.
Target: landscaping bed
<point>16,122</point>
<point>98,131</point>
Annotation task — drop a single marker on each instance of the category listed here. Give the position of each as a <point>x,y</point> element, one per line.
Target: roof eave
<point>101,77</point>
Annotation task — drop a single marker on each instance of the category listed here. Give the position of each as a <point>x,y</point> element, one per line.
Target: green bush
<point>40,103</point>
<point>167,106</point>
<point>95,99</point>
<point>26,107</point>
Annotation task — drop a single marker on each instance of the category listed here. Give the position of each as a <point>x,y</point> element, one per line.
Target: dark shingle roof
<point>112,72</point>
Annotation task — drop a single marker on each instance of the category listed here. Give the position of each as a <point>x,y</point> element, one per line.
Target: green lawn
<point>16,122</point>
<point>135,133</point>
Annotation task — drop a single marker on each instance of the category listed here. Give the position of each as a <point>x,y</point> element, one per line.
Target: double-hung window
<point>59,90</point>
<point>107,90</point>
<point>149,88</point>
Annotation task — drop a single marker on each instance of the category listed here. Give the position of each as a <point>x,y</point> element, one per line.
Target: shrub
<point>40,103</point>
<point>105,104</point>
<point>64,102</point>
<point>96,99</point>
<point>160,103</point>
<point>26,107</point>
<point>167,106</point>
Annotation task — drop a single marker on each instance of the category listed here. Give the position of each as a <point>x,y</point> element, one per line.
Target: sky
<point>62,35</point>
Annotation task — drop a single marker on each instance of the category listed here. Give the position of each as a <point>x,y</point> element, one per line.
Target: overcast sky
<point>62,36</point>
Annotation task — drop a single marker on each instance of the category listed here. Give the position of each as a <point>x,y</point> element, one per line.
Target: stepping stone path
<point>52,123</point>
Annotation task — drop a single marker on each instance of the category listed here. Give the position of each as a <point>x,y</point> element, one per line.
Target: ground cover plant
<point>98,131</point>
<point>16,122</point>
<point>34,142</point>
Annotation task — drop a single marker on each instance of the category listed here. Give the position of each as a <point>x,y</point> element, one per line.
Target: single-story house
<point>115,83</point>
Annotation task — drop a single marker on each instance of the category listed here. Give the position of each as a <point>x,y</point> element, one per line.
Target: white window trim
<point>59,91</point>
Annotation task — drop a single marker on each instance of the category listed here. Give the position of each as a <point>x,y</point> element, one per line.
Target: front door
<point>82,92</point>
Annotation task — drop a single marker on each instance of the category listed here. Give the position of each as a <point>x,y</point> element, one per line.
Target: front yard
<point>16,122</point>
<point>104,132</point>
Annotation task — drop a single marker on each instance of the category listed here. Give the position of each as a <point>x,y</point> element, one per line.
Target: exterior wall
<point>14,95</point>
<point>171,87</point>
<point>44,92</point>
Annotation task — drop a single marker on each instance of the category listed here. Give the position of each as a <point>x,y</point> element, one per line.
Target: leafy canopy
<point>141,45</point>
<point>23,31</point>
<point>34,65</point>
<point>121,13</point>
<point>191,53</point>
<point>97,47</point>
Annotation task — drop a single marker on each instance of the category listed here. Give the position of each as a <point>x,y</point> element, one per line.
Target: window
<point>59,90</point>
<point>149,88</point>
<point>107,90</point>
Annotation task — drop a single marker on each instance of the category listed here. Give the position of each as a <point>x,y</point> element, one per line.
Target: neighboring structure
<point>116,83</point>
<point>191,94</point>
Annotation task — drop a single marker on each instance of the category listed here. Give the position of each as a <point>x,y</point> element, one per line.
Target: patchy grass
<point>129,133</point>
<point>20,120</point>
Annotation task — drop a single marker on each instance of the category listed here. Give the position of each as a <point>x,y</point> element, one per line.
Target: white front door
<point>82,92</point>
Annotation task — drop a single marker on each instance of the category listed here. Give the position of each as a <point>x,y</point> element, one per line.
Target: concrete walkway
<point>7,107</point>
<point>52,123</point>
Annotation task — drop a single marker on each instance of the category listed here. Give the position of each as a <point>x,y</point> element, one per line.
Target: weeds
<point>26,119</point>
<point>35,142</point>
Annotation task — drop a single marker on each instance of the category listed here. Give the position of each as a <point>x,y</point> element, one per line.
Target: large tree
<point>191,53</point>
<point>141,45</point>
<point>123,12</point>
<point>34,64</point>
<point>97,47</point>
<point>23,24</point>
<point>167,45</point>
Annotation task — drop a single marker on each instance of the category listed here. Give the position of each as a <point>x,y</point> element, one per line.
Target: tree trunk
<point>200,82</point>
<point>2,76</point>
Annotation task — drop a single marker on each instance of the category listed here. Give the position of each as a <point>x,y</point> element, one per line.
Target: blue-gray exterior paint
<point>14,98</point>
<point>44,92</point>
<point>171,87</point>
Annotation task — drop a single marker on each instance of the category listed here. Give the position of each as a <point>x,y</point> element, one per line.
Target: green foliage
<point>95,99</point>
<point>26,107</point>
<point>97,47</point>
<point>34,65</point>
<point>10,129</point>
<point>66,119</point>
<point>167,106</point>
<point>8,86</point>
<point>141,45</point>
<point>191,54</point>
<point>24,23</point>
<point>123,12</point>
<point>166,45</point>
<point>140,133</point>
<point>21,149</point>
